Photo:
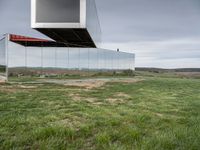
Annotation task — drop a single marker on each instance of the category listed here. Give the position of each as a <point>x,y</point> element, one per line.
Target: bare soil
<point>189,74</point>
<point>90,83</point>
<point>2,79</point>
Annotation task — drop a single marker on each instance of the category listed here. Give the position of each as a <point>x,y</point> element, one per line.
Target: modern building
<point>20,55</point>
<point>73,22</point>
<point>74,28</point>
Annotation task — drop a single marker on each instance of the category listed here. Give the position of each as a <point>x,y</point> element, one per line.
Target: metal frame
<point>81,24</point>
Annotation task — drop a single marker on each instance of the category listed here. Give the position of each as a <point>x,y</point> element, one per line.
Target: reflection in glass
<point>16,55</point>
<point>2,57</point>
<point>34,57</point>
<point>74,58</point>
<point>62,58</point>
<point>66,58</point>
<point>49,60</point>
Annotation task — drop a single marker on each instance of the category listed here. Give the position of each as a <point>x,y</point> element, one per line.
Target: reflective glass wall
<point>56,60</point>
<point>92,22</point>
<point>2,59</point>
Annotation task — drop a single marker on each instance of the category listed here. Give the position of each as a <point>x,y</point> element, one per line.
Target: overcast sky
<point>162,33</point>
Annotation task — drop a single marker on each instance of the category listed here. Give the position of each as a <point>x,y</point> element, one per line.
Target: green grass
<point>159,113</point>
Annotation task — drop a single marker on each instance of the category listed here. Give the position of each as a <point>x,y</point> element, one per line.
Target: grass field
<point>143,112</point>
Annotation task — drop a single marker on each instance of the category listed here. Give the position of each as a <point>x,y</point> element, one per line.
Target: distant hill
<point>168,70</point>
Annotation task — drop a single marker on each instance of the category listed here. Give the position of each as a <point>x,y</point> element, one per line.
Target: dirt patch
<point>75,97</point>
<point>93,101</point>
<point>189,74</point>
<point>128,80</point>
<point>27,87</point>
<point>72,121</point>
<point>123,95</point>
<point>8,90</point>
<point>91,83</point>
<point>119,98</point>
<point>78,98</point>
<point>86,84</point>
<point>15,88</point>
<point>2,79</point>
<point>115,101</point>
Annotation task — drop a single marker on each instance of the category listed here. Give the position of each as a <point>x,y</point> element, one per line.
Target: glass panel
<point>126,62</point>
<point>34,57</point>
<point>101,59</point>
<point>93,59</point>
<point>121,60</point>
<point>110,60</point>
<point>16,59</point>
<point>62,57</point>
<point>115,60</point>
<point>74,58</point>
<point>49,60</point>
<point>133,62</point>
<point>84,58</point>
<point>16,55</point>
<point>2,59</point>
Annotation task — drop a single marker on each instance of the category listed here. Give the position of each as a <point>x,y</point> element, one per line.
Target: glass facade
<point>2,58</point>
<point>52,59</point>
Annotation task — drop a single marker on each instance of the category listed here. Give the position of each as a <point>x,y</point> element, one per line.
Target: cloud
<point>15,18</point>
<point>158,31</point>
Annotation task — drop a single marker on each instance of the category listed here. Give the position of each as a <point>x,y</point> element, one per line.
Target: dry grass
<point>189,74</point>
<point>155,113</point>
<point>2,79</point>
<point>90,83</point>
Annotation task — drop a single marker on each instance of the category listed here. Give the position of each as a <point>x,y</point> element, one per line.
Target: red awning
<point>26,39</point>
<point>36,42</point>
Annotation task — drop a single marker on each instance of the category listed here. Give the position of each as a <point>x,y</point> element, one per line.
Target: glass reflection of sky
<point>2,52</point>
<point>69,58</point>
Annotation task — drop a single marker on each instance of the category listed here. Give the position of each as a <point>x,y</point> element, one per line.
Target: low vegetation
<point>148,111</point>
<point>2,69</point>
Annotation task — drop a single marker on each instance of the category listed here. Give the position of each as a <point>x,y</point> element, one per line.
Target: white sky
<point>162,33</point>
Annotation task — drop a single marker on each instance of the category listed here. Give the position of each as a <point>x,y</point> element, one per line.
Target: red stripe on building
<point>26,39</point>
